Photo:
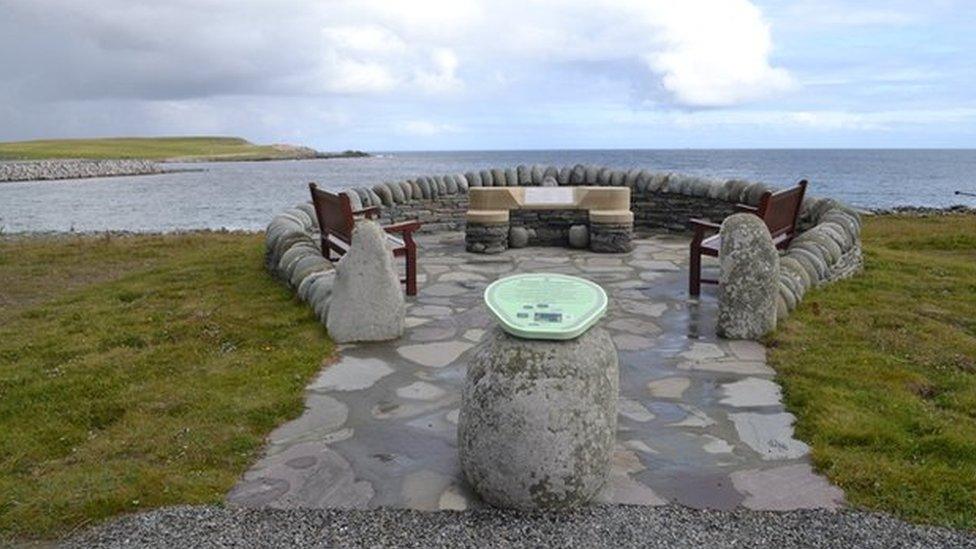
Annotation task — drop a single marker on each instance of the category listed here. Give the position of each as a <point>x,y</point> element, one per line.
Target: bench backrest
<point>334,212</point>
<point>781,209</point>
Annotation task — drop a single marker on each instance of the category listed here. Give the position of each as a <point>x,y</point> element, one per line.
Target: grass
<point>150,148</point>
<point>880,371</point>
<point>137,372</point>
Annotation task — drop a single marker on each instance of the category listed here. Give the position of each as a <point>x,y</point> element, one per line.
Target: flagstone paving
<point>701,419</point>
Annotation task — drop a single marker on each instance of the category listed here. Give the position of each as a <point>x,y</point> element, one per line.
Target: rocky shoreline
<point>45,170</point>
<point>921,211</point>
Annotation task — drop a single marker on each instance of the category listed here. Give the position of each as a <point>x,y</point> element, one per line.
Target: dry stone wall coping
<point>827,249</point>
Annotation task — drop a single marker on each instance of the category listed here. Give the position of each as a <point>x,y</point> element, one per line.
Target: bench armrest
<point>745,208</point>
<point>369,213</point>
<point>703,225</point>
<point>700,227</point>
<point>405,227</point>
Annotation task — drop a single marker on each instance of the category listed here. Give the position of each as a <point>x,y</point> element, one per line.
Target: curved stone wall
<point>828,248</point>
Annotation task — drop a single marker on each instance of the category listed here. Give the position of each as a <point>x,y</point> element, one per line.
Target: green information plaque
<point>546,305</point>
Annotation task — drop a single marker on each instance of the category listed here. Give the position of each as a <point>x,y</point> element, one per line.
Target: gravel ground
<point>607,526</point>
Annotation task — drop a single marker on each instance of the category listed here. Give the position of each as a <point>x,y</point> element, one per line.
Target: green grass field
<point>140,371</point>
<point>881,371</point>
<point>150,148</point>
<point>143,371</point>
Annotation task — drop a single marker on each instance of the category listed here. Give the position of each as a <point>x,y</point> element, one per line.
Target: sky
<point>389,75</point>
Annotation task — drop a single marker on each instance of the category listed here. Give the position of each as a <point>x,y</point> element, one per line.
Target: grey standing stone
<point>385,194</point>
<point>753,193</point>
<point>518,237</point>
<point>579,237</point>
<point>441,185</point>
<point>591,175</point>
<point>524,174</point>
<point>367,304</point>
<point>452,186</point>
<point>424,185</point>
<point>657,182</point>
<point>617,178</point>
<point>643,180</point>
<point>474,179</point>
<point>306,284</point>
<point>311,263</point>
<point>511,178</point>
<point>462,183</point>
<point>320,295</point>
<point>415,190</point>
<point>631,179</point>
<point>736,188</point>
<point>435,187</point>
<point>549,181</point>
<point>748,280</point>
<point>603,176</point>
<point>552,172</point>
<point>498,178</point>
<point>487,178</point>
<point>363,196</point>
<point>407,190</point>
<point>374,199</point>
<point>564,176</point>
<point>578,175</point>
<point>537,175</point>
<point>538,420</point>
<point>396,192</point>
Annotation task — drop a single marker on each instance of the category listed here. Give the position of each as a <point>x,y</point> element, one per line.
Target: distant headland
<point>104,157</point>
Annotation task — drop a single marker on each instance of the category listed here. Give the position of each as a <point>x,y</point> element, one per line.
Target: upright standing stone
<point>367,303</point>
<point>538,420</point>
<point>579,237</point>
<point>748,280</point>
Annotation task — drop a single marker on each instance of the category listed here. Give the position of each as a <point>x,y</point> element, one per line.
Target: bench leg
<point>694,272</point>
<point>411,258</point>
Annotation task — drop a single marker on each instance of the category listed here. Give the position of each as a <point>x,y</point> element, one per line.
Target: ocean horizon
<point>244,195</point>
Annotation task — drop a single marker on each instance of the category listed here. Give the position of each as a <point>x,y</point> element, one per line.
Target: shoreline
<point>56,169</point>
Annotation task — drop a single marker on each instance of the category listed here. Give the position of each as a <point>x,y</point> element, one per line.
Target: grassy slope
<point>151,148</point>
<point>881,371</point>
<point>139,371</point>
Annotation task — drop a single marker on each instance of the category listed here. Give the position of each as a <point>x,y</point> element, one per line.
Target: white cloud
<point>425,128</point>
<point>714,53</point>
<point>701,52</point>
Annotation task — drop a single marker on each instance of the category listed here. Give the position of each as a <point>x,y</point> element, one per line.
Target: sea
<point>245,195</point>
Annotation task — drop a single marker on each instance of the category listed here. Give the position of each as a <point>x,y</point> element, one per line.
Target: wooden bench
<point>779,210</point>
<point>337,219</point>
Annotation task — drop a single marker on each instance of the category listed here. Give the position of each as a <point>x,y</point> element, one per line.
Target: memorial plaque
<point>546,305</point>
<point>549,196</point>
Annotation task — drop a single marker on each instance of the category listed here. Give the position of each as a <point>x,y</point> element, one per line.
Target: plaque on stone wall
<point>546,305</point>
<point>549,196</point>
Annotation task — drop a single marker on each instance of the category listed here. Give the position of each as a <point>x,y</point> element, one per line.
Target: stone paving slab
<point>701,419</point>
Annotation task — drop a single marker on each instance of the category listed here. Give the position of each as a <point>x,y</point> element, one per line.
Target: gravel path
<point>606,526</point>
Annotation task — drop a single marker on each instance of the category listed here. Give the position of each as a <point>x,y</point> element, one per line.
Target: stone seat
<point>487,216</point>
<point>612,216</point>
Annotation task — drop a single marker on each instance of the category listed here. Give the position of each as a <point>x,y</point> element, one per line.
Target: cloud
<point>702,53</point>
<point>425,128</point>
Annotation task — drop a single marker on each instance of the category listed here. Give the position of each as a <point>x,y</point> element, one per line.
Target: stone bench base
<point>488,232</point>
<point>486,238</point>
<point>611,237</point>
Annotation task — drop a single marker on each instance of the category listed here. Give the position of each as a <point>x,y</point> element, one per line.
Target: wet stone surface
<point>701,421</point>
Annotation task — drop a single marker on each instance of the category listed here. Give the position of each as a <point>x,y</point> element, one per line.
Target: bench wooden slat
<point>779,210</point>
<point>337,219</point>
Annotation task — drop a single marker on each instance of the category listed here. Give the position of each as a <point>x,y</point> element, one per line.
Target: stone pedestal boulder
<point>579,237</point>
<point>748,280</point>
<point>538,420</point>
<point>367,302</point>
